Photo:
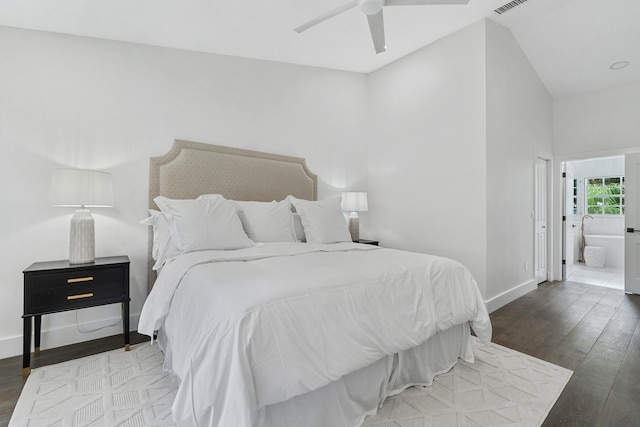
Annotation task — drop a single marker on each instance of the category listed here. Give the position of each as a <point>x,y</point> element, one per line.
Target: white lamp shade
<point>354,201</point>
<point>77,187</point>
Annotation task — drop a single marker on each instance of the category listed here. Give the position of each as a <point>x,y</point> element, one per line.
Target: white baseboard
<point>512,294</point>
<point>68,334</point>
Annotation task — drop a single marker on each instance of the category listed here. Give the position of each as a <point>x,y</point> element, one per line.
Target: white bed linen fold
<point>257,326</point>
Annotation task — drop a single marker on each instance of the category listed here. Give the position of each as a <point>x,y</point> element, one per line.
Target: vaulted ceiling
<point>571,43</point>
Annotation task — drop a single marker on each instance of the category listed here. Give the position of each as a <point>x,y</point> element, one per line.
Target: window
<point>605,196</point>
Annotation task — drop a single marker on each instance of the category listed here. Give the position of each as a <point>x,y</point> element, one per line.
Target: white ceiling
<point>571,43</point>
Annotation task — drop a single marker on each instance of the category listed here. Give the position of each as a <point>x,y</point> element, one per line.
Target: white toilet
<point>595,256</point>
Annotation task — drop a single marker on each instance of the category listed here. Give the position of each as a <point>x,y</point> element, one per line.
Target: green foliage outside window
<point>605,196</point>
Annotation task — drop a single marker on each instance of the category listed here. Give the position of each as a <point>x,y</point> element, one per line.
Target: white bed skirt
<point>346,402</point>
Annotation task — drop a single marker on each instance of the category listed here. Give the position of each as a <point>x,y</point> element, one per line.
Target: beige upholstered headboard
<point>190,169</point>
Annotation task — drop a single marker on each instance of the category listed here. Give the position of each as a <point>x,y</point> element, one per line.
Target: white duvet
<point>257,326</point>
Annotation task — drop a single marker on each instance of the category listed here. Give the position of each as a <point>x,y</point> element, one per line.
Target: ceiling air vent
<point>507,7</point>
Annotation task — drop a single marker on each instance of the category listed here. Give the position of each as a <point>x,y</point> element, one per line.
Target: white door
<point>632,223</point>
<point>540,218</point>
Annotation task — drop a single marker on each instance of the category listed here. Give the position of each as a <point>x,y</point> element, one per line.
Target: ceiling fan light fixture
<point>370,7</point>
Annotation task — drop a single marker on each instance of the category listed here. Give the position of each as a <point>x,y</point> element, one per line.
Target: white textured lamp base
<point>354,226</point>
<point>82,240</point>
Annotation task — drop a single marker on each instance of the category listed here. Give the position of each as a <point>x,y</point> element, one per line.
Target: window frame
<point>602,196</point>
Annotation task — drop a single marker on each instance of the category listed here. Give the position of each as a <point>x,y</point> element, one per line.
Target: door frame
<point>547,210</point>
<point>631,241</point>
<point>563,228</point>
<point>559,235</point>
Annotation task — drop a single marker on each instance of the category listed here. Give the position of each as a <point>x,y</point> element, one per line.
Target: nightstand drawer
<point>74,295</point>
<point>77,279</point>
<point>52,291</point>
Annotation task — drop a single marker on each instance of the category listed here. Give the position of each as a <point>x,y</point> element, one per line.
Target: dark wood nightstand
<point>368,242</point>
<point>52,287</point>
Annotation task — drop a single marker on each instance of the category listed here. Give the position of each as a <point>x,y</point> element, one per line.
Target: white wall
<point>455,131</point>
<point>519,129</point>
<point>79,102</point>
<point>427,169</point>
<point>600,122</point>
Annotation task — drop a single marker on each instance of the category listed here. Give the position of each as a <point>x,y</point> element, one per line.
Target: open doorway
<point>594,231</point>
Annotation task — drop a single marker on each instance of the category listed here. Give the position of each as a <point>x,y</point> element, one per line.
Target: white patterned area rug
<point>502,388</point>
<point>115,388</point>
<point>130,389</point>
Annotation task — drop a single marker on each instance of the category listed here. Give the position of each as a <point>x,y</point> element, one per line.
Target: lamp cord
<point>87,331</point>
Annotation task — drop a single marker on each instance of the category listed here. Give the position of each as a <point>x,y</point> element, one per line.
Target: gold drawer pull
<point>80,279</point>
<point>89,295</point>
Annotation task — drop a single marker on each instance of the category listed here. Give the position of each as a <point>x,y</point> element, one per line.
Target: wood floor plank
<point>579,404</point>
<point>618,332</point>
<point>620,410</point>
<point>543,344</point>
<point>628,380</point>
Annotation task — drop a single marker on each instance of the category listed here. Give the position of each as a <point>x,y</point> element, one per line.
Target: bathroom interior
<point>594,239</point>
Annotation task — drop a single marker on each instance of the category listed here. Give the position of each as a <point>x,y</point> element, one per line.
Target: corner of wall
<point>519,126</point>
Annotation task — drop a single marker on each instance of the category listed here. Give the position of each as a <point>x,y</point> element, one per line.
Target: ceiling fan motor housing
<point>370,7</point>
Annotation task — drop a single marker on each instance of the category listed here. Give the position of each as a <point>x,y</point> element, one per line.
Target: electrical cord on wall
<point>88,331</point>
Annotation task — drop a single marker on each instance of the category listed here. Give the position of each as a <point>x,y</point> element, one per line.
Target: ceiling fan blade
<point>376,25</point>
<point>325,16</point>
<point>423,2</point>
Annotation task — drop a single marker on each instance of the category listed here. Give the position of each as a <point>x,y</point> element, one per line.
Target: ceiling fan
<point>373,10</point>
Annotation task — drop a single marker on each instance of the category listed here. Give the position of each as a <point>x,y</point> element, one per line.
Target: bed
<point>281,332</point>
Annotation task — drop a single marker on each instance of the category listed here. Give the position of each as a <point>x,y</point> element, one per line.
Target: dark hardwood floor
<point>591,330</point>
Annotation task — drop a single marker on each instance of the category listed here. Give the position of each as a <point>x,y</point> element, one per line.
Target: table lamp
<point>354,202</point>
<point>83,189</point>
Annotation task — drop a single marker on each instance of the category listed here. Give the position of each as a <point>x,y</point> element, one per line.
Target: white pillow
<point>207,223</point>
<point>323,221</point>
<point>210,196</point>
<point>164,246</point>
<point>267,221</point>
